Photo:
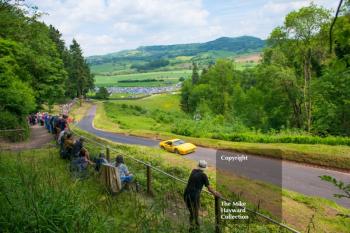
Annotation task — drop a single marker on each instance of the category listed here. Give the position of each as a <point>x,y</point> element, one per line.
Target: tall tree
<point>80,79</point>
<point>305,27</point>
<point>332,110</point>
<point>185,94</point>
<point>42,63</point>
<point>56,37</point>
<point>195,74</point>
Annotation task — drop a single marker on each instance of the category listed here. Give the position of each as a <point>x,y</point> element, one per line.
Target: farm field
<point>142,79</point>
<point>178,63</point>
<point>165,102</point>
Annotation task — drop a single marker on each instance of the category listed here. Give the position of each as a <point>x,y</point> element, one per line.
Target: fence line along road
<point>217,199</point>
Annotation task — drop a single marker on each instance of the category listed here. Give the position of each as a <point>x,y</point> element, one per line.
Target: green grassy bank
<point>297,209</point>
<point>158,115</point>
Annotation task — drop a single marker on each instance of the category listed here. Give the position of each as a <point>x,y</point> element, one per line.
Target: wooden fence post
<point>108,154</point>
<point>149,180</point>
<point>217,215</point>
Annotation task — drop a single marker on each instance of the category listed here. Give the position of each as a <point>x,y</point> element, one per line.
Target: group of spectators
<point>36,118</point>
<point>49,121</point>
<point>74,150</point>
<point>65,108</point>
<point>78,155</point>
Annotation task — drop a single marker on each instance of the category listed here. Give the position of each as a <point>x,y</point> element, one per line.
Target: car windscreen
<point>178,142</point>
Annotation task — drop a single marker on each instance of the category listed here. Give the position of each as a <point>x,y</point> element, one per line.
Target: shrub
<point>102,93</point>
<point>10,121</point>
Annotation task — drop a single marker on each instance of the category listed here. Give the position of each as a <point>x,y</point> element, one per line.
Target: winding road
<point>289,175</point>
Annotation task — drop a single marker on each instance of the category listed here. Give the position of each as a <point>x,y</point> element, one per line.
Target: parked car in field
<point>177,146</point>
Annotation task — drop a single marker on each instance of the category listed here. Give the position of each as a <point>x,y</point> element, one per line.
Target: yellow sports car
<point>177,146</point>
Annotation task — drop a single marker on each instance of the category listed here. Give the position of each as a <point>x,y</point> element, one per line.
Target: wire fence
<point>14,135</point>
<point>158,181</point>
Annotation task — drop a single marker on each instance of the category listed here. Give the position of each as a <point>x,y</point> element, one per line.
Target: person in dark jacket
<point>52,124</point>
<point>63,122</point>
<point>192,193</point>
<point>78,145</point>
<point>79,166</point>
<point>68,145</point>
<point>99,161</point>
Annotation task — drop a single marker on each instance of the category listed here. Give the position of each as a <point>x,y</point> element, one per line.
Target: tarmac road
<point>289,175</point>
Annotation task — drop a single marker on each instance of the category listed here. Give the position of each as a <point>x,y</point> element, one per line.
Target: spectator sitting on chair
<point>125,175</point>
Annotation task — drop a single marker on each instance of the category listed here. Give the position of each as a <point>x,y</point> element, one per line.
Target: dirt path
<point>39,137</point>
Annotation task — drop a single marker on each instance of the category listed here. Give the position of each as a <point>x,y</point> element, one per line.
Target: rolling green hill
<point>173,57</point>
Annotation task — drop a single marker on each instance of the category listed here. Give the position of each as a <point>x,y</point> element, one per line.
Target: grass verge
<point>321,155</point>
<point>77,112</point>
<point>297,210</point>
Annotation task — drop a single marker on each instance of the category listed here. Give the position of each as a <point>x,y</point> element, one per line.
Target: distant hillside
<point>174,57</point>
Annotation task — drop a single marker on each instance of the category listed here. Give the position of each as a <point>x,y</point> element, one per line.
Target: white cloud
<point>127,28</point>
<point>103,26</point>
<point>98,25</point>
<point>259,20</point>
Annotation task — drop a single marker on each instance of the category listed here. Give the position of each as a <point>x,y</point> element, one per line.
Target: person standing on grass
<point>192,193</point>
<point>63,122</point>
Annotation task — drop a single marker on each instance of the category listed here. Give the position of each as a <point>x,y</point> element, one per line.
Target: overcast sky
<point>105,26</point>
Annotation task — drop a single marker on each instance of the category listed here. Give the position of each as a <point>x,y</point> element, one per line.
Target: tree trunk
<point>309,93</point>
<point>297,120</point>
<point>307,90</point>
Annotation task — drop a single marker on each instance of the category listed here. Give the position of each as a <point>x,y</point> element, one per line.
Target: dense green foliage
<point>80,80</point>
<point>174,57</point>
<point>215,127</point>
<point>298,84</point>
<point>35,66</point>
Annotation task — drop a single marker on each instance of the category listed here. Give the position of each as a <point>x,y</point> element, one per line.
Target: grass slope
<point>39,195</point>
<point>112,117</point>
<point>297,209</point>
